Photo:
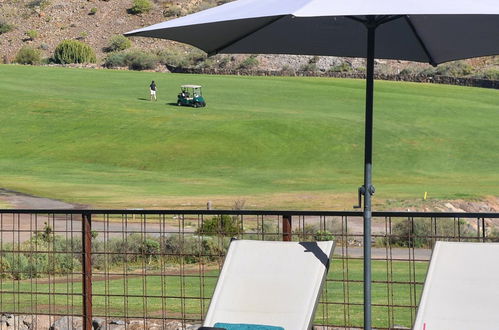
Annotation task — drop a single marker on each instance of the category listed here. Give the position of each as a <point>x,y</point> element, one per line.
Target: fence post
<point>87,270</point>
<point>286,228</point>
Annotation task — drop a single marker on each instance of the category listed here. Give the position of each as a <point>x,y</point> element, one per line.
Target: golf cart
<point>191,95</point>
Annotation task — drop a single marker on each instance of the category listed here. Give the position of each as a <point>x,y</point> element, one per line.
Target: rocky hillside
<point>43,24</point>
<point>91,21</point>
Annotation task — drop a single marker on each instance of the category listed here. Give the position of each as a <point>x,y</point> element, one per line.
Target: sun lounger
<point>269,285</point>
<point>461,291</point>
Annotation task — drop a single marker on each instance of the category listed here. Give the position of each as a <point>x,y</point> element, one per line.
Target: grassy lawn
<point>193,286</point>
<point>91,137</point>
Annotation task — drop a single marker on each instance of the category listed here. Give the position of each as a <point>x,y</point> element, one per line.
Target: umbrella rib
<point>418,37</point>
<point>216,51</point>
<point>378,20</point>
<point>389,18</point>
<point>363,21</point>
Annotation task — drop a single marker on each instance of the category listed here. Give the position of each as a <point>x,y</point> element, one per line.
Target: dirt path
<point>21,227</point>
<point>19,200</point>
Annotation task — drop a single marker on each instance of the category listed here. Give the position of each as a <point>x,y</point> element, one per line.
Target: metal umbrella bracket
<point>424,31</point>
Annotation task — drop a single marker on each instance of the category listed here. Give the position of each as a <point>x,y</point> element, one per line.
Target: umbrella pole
<point>368,188</point>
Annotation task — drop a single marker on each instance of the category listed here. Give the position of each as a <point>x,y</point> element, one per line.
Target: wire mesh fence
<point>158,268</point>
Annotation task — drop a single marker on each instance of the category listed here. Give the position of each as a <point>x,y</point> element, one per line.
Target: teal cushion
<point>241,326</point>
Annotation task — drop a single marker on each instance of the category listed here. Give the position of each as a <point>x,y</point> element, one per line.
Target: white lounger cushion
<point>461,290</point>
<point>270,283</point>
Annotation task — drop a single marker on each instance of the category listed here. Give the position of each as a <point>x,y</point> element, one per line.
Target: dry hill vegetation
<point>37,27</point>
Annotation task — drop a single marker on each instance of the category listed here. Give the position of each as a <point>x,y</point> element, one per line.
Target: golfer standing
<point>153,88</point>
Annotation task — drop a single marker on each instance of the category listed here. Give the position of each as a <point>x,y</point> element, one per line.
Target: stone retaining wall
<point>471,82</point>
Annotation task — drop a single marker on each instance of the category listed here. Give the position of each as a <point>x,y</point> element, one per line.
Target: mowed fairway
<point>92,137</point>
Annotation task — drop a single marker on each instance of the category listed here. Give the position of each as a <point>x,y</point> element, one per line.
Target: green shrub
<point>407,72</point>
<point>133,249</point>
<point>28,55</point>
<point>149,248</point>
<point>419,233</point>
<point>82,35</point>
<point>42,4</point>
<point>73,51</point>
<point>305,233</point>
<point>93,11</point>
<point>454,69</point>
<point>343,67</point>
<point>115,60</point>
<point>32,34</point>
<point>140,7</point>
<point>223,225</point>
<point>249,63</point>
<point>494,234</point>
<point>309,67</point>
<point>4,268</point>
<point>206,4</point>
<point>195,57</point>
<point>428,71</point>
<point>138,60</point>
<point>323,235</point>
<point>190,249</point>
<point>134,60</point>
<point>287,70</point>
<point>491,74</point>
<point>117,43</point>
<point>172,11</point>
<point>180,58</point>
<point>19,266</point>
<point>5,27</point>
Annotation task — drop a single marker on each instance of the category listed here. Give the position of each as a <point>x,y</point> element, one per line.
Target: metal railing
<point>159,267</point>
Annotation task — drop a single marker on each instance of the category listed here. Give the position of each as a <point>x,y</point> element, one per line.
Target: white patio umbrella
<point>432,31</point>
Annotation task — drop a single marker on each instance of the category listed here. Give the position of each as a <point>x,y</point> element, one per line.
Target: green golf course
<point>93,137</point>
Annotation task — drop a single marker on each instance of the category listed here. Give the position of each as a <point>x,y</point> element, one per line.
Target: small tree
<point>223,225</point>
<point>149,248</point>
<point>73,51</point>
<point>28,55</point>
<point>45,235</point>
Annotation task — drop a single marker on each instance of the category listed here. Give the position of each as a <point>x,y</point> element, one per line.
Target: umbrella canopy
<point>432,31</point>
<point>424,31</point>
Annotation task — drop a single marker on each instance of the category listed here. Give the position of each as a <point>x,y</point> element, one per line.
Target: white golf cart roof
<point>190,86</point>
